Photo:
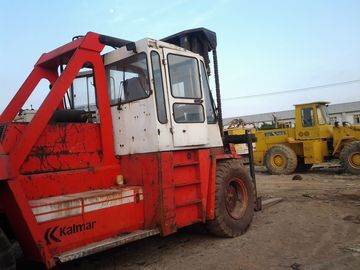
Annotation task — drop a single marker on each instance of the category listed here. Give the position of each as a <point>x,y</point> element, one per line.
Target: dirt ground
<point>316,226</point>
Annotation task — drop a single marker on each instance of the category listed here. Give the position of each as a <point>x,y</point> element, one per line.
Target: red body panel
<point>60,147</point>
<point>81,225</point>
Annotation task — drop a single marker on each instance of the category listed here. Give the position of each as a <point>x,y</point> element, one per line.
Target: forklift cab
<point>160,99</point>
<point>312,121</point>
<point>159,94</point>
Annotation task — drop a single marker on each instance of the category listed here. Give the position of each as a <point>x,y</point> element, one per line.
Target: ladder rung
<point>186,164</point>
<point>194,182</point>
<point>197,201</point>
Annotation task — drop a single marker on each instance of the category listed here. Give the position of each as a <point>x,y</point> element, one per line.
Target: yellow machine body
<point>313,139</point>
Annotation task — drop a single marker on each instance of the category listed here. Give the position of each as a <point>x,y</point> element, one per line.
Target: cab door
<point>306,124</point>
<point>186,99</point>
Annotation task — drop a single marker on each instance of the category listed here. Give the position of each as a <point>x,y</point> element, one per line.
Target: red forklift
<point>126,145</point>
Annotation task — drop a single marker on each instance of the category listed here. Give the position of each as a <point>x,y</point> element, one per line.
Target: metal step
<point>183,164</point>
<point>189,183</point>
<point>104,245</point>
<point>197,201</point>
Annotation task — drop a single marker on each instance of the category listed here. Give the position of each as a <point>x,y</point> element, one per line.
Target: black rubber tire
<point>288,156</point>
<point>347,157</point>
<point>232,175</point>
<point>302,166</point>
<point>7,258</point>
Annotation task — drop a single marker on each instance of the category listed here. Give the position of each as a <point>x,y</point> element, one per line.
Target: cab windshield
<point>323,115</point>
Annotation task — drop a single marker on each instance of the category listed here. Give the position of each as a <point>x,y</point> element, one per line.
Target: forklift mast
<point>202,41</point>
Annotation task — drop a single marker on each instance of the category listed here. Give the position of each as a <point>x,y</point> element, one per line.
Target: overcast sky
<point>264,47</point>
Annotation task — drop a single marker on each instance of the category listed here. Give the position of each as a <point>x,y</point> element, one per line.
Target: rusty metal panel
<point>37,186</point>
<point>144,169</point>
<point>52,208</point>
<point>60,147</point>
<point>74,220</point>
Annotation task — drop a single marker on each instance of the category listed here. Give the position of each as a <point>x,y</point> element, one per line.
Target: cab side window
<point>209,103</point>
<point>184,76</point>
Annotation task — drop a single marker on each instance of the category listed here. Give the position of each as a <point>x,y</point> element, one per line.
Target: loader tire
<point>7,258</point>
<point>350,157</point>
<point>302,166</point>
<point>234,200</point>
<point>280,159</point>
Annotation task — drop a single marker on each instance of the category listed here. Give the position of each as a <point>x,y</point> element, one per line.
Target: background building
<point>342,112</point>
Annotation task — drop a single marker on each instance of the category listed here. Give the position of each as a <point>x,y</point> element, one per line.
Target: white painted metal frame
<point>136,125</point>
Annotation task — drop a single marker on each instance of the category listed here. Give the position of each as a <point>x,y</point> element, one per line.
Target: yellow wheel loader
<point>313,140</point>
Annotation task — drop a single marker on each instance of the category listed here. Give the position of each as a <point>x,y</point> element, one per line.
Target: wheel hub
<point>278,160</point>
<point>354,159</point>
<point>236,198</point>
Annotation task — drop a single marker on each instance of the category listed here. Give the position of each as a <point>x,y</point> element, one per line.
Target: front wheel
<point>280,159</point>
<point>350,157</point>
<point>234,200</point>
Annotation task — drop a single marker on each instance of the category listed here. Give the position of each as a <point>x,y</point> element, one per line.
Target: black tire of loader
<point>225,224</point>
<point>345,156</point>
<point>289,156</point>
<point>7,258</point>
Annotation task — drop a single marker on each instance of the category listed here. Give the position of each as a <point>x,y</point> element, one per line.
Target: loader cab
<point>312,121</point>
<point>160,99</point>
